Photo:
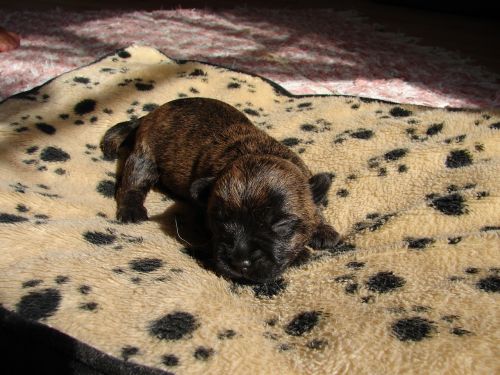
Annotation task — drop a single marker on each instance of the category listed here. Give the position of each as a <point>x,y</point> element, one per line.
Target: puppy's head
<point>261,212</point>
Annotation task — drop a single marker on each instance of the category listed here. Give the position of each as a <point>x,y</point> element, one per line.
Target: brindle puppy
<point>261,201</point>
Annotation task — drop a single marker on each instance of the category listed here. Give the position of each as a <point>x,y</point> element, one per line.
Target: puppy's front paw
<point>133,214</point>
<point>325,237</point>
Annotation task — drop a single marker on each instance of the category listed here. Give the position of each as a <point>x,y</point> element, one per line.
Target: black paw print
<point>388,160</point>
<point>82,81</point>
<point>484,280</point>
<point>418,322</point>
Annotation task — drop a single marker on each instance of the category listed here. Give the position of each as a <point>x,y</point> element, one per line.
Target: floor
<point>475,37</point>
<point>355,47</point>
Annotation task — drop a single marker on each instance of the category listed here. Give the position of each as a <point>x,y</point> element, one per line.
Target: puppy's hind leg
<point>139,174</point>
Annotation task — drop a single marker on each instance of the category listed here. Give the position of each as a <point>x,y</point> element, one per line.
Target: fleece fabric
<point>413,287</point>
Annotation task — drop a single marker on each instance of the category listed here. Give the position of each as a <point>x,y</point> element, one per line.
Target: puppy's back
<point>191,138</point>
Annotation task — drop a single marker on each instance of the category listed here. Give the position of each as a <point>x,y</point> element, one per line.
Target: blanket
<point>412,288</point>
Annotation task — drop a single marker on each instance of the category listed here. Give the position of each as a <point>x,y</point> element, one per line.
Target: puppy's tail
<point>116,136</point>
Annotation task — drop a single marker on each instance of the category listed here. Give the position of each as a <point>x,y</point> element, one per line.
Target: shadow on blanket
<point>185,223</point>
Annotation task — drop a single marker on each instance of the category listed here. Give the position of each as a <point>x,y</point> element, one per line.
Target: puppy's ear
<point>320,183</point>
<point>200,189</point>
<point>325,237</point>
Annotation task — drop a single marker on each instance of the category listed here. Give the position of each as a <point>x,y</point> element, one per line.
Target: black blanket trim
<point>29,347</point>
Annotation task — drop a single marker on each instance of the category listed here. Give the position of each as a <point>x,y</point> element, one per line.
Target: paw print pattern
<point>63,191</point>
<point>292,142</point>
<point>389,160</point>
<point>298,330</point>
<point>33,124</point>
<point>318,126</point>
<point>39,189</point>
<point>194,74</point>
<point>33,95</point>
<point>483,280</point>
<point>42,298</point>
<point>236,83</point>
<point>47,156</point>
<point>454,202</point>
<point>301,107</point>
<point>382,282</point>
<point>417,323</point>
<point>373,222</point>
<point>80,81</point>
<point>138,83</point>
<point>110,236</point>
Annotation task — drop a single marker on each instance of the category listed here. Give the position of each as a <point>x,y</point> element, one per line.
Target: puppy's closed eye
<point>256,255</point>
<point>286,227</point>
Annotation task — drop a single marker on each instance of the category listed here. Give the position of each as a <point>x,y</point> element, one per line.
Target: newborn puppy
<point>261,201</point>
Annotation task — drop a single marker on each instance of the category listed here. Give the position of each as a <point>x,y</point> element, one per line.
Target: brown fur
<point>208,152</point>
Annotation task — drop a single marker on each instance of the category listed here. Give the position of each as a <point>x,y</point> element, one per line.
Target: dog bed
<point>412,288</point>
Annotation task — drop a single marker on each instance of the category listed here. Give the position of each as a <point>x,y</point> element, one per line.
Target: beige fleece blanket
<point>414,288</point>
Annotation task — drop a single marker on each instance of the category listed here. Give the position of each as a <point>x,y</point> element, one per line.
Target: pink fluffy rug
<point>306,51</point>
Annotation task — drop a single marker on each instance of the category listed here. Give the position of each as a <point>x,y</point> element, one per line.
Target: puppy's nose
<point>241,264</point>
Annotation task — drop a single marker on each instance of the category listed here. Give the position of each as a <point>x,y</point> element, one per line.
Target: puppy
<point>261,201</point>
